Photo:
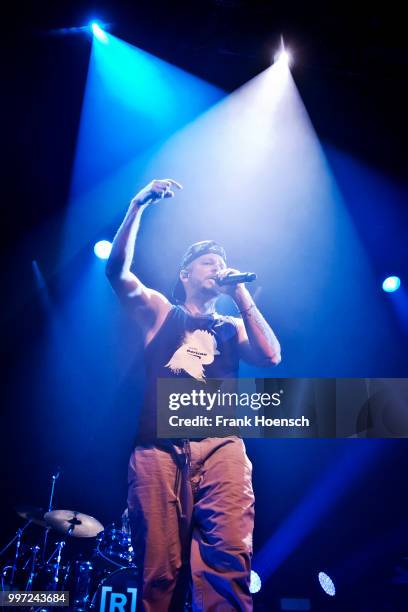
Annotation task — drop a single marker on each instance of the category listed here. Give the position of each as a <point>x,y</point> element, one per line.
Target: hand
<point>231,290</point>
<point>156,190</point>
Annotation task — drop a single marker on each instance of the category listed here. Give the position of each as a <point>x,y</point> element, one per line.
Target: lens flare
<point>391,284</point>
<point>102,249</point>
<point>255,583</point>
<point>327,584</point>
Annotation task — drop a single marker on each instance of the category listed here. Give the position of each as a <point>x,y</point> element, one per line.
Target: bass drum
<point>118,591</point>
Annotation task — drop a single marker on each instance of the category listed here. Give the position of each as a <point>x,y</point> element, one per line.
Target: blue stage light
<point>102,249</point>
<point>98,32</point>
<point>255,583</point>
<point>392,283</point>
<point>327,584</point>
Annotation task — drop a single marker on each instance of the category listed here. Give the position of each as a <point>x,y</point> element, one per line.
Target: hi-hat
<point>33,514</point>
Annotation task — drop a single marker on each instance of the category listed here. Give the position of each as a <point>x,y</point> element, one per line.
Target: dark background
<point>350,69</point>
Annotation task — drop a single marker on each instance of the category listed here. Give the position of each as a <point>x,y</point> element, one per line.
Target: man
<point>190,502</point>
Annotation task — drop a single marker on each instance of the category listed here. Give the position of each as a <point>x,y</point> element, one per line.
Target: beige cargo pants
<point>191,509</point>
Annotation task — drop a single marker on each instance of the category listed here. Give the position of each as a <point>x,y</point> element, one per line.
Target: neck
<point>197,305</point>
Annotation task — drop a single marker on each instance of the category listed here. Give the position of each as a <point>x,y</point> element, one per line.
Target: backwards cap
<point>196,250</point>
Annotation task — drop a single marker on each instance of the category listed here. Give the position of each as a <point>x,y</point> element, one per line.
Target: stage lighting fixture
<point>283,57</point>
<point>392,283</point>
<point>98,32</point>
<point>255,583</point>
<point>102,249</point>
<point>327,584</point>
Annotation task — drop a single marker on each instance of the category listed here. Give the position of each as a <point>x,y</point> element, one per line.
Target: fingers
<point>226,272</point>
<point>160,189</point>
<point>175,183</point>
<point>165,184</point>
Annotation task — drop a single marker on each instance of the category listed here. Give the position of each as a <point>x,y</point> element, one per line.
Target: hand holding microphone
<point>232,281</point>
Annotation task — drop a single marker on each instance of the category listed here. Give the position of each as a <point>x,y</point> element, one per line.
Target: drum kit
<point>106,570</point>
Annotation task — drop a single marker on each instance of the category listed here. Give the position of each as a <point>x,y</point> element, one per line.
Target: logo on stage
<point>118,602</point>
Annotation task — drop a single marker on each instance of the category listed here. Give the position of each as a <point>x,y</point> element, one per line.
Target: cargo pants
<point>191,512</point>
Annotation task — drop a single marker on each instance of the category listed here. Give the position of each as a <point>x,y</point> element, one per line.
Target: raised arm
<point>148,306</point>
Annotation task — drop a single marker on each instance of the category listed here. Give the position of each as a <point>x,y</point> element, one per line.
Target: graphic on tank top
<point>197,350</point>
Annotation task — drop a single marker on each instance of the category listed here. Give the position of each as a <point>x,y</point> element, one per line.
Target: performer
<point>191,503</point>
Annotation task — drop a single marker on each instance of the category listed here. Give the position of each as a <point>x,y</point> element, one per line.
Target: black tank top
<point>186,346</point>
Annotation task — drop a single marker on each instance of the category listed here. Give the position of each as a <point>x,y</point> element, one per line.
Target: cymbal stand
<point>29,585</point>
<point>60,546</point>
<point>53,479</point>
<point>17,539</point>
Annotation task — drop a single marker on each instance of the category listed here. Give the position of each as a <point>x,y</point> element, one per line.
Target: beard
<point>210,287</point>
<point>206,290</point>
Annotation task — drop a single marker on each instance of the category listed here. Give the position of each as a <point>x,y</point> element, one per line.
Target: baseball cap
<point>196,250</point>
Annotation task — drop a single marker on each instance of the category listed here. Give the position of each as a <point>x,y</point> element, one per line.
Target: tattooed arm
<point>258,343</point>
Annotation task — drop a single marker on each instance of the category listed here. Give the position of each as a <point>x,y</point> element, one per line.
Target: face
<point>201,274</point>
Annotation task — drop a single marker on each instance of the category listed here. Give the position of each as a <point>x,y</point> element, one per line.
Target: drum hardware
<point>125,522</point>
<point>115,546</point>
<point>54,478</point>
<point>88,580</point>
<point>29,585</point>
<point>66,575</point>
<point>82,584</point>
<point>17,538</point>
<point>57,565</point>
<point>16,557</point>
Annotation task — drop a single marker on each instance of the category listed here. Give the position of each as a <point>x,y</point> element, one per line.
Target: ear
<point>184,274</point>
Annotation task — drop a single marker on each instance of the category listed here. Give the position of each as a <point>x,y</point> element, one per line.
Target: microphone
<point>234,278</point>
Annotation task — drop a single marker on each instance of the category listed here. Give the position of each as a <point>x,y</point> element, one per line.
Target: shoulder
<point>150,310</point>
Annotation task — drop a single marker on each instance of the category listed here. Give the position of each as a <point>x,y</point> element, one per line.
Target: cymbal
<point>73,523</point>
<point>30,513</point>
